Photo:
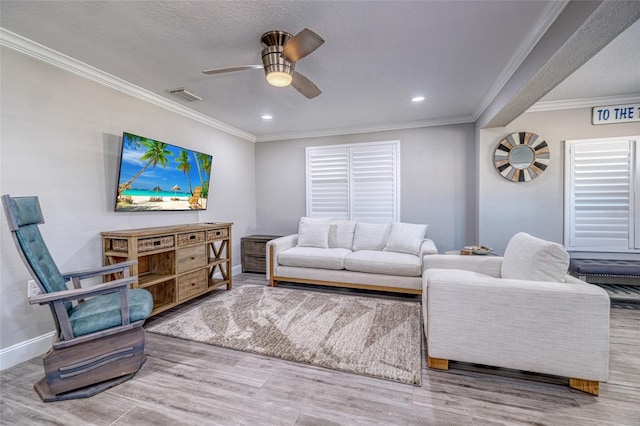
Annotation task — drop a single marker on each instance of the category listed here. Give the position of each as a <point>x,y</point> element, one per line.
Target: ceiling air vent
<point>185,95</point>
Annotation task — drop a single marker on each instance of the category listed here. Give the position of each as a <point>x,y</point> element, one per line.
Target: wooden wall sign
<point>626,113</point>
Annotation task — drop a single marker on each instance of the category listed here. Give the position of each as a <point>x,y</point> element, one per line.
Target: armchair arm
<point>81,293</point>
<point>488,265</point>
<point>428,247</point>
<point>109,269</point>
<point>59,298</point>
<point>279,245</point>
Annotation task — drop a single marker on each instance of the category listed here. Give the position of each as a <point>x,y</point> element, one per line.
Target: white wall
<point>536,207</point>
<point>60,140</point>
<point>437,181</point>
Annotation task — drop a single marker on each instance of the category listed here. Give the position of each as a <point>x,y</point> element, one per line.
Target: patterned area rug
<point>364,335</point>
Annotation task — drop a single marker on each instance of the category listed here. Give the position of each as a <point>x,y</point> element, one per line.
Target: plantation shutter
<point>636,209</point>
<point>600,199</point>
<point>328,183</point>
<point>373,180</point>
<point>356,182</point>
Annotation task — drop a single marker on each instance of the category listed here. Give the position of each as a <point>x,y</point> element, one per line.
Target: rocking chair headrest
<point>24,210</point>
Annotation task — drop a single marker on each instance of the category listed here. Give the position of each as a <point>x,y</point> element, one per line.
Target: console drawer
<point>216,234</point>
<point>191,258</point>
<point>190,238</point>
<point>191,284</point>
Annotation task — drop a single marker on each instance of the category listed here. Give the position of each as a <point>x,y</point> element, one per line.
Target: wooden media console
<point>175,263</point>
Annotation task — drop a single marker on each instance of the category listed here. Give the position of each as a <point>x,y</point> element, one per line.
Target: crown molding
<point>584,102</point>
<point>546,18</point>
<point>364,129</point>
<point>57,59</point>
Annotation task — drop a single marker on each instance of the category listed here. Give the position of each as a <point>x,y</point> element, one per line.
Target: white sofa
<point>521,311</point>
<point>342,253</point>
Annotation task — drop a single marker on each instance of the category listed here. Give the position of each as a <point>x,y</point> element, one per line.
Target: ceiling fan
<point>279,57</point>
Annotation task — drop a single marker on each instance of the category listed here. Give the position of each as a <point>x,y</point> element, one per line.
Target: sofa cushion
<point>370,236</point>
<point>533,259</point>
<point>313,232</point>
<point>313,257</point>
<point>384,262</point>
<point>341,233</point>
<point>405,238</point>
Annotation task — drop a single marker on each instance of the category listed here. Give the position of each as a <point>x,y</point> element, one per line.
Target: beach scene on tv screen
<point>158,176</point>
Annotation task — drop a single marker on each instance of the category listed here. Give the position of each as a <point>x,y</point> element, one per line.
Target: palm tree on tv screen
<point>156,153</point>
<point>185,166</point>
<point>205,162</point>
<point>197,156</point>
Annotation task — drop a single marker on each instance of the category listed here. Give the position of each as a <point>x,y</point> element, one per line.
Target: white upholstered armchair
<point>521,311</point>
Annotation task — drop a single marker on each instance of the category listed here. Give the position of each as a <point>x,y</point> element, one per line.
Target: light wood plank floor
<point>186,383</point>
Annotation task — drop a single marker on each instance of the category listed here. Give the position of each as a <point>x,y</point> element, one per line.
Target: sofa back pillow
<point>313,232</point>
<point>533,259</point>
<point>405,238</point>
<point>341,233</point>
<point>370,236</point>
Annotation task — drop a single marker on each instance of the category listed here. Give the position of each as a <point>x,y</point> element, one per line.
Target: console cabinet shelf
<point>175,263</point>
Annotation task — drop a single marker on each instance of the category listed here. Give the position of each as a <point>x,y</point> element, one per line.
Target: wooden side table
<point>253,251</point>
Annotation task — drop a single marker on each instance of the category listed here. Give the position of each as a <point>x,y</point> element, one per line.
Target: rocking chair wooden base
<point>90,367</point>
<point>44,391</point>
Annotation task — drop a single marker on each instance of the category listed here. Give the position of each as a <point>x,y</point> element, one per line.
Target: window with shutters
<point>357,182</point>
<point>602,204</point>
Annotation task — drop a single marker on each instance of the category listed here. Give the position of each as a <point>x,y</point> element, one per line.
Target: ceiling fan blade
<point>305,86</point>
<point>303,43</point>
<point>233,69</point>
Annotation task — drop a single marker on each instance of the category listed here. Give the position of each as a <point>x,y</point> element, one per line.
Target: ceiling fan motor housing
<point>275,38</point>
<point>271,54</point>
<point>273,62</point>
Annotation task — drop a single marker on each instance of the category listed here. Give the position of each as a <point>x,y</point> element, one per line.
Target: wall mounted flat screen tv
<point>158,176</point>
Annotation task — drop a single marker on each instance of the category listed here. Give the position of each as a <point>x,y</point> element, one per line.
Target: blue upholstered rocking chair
<point>99,340</point>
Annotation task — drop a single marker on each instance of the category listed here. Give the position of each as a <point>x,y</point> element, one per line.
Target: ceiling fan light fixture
<point>279,78</point>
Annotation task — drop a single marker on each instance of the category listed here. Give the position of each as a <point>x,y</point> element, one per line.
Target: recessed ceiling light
<point>267,117</point>
<point>417,99</point>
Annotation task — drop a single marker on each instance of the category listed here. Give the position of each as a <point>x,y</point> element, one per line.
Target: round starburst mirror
<point>521,157</point>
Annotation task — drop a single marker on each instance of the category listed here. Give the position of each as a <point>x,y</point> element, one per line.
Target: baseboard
<point>236,270</point>
<point>24,351</point>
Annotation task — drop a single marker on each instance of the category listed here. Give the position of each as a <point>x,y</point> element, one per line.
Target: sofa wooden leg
<point>272,282</point>
<point>438,363</point>
<point>588,386</point>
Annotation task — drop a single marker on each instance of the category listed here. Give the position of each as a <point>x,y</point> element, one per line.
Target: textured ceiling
<point>614,71</point>
<point>377,55</point>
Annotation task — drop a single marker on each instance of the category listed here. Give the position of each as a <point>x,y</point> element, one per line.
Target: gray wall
<point>60,140</point>
<point>536,207</point>
<point>437,181</point>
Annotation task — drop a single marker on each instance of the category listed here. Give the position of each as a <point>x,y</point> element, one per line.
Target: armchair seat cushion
<point>103,312</point>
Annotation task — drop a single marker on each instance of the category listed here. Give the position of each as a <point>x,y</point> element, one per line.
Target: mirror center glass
<point>521,157</point>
